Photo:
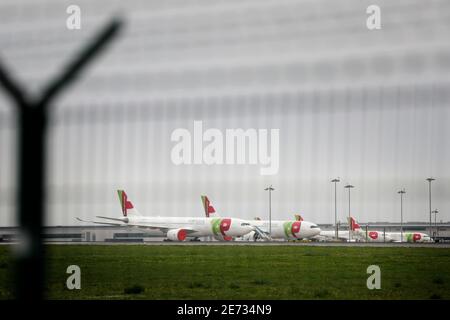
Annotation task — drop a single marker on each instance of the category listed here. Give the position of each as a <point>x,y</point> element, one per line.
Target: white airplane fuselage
<point>288,230</point>
<point>380,236</point>
<point>217,227</point>
<point>356,233</point>
<point>409,237</point>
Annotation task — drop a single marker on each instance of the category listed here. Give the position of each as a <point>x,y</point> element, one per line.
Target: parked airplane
<point>288,230</point>
<point>410,237</point>
<point>379,236</point>
<point>355,234</point>
<point>210,211</point>
<point>369,236</point>
<point>343,235</point>
<point>177,228</point>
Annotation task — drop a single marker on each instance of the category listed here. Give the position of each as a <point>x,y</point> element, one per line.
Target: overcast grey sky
<point>371,107</point>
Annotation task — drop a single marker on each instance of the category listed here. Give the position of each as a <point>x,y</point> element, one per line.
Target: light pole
<point>349,186</point>
<point>435,211</point>
<point>270,189</point>
<point>429,194</point>
<point>335,181</point>
<point>401,192</point>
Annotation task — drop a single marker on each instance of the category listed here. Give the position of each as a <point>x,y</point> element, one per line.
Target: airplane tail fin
<point>126,205</point>
<point>298,217</point>
<point>354,226</point>
<point>209,209</point>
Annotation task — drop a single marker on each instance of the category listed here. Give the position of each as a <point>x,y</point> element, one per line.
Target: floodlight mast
<point>435,211</point>
<point>349,186</point>
<point>335,181</point>
<point>270,189</point>
<point>430,179</point>
<point>401,192</point>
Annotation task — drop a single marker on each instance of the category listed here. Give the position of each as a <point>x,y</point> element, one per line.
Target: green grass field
<point>241,272</point>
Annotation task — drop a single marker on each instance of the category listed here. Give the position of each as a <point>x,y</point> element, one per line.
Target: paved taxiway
<point>273,243</point>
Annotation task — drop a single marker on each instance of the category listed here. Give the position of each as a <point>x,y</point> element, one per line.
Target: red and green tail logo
<point>207,206</point>
<point>354,225</point>
<point>125,204</point>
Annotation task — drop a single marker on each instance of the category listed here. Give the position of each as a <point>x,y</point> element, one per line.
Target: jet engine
<point>176,234</point>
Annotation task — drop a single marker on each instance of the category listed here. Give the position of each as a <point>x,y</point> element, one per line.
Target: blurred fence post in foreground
<point>32,124</point>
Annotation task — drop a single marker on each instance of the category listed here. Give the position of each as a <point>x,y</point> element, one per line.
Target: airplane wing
<point>164,228</point>
<point>100,222</point>
<point>329,237</point>
<point>115,219</point>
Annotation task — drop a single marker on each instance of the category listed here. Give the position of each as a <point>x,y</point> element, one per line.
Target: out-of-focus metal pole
<point>335,181</point>
<point>401,192</point>
<point>32,125</point>
<point>349,187</point>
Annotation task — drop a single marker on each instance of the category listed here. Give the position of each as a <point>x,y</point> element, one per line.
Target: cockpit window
<point>243,224</point>
<point>314,227</point>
